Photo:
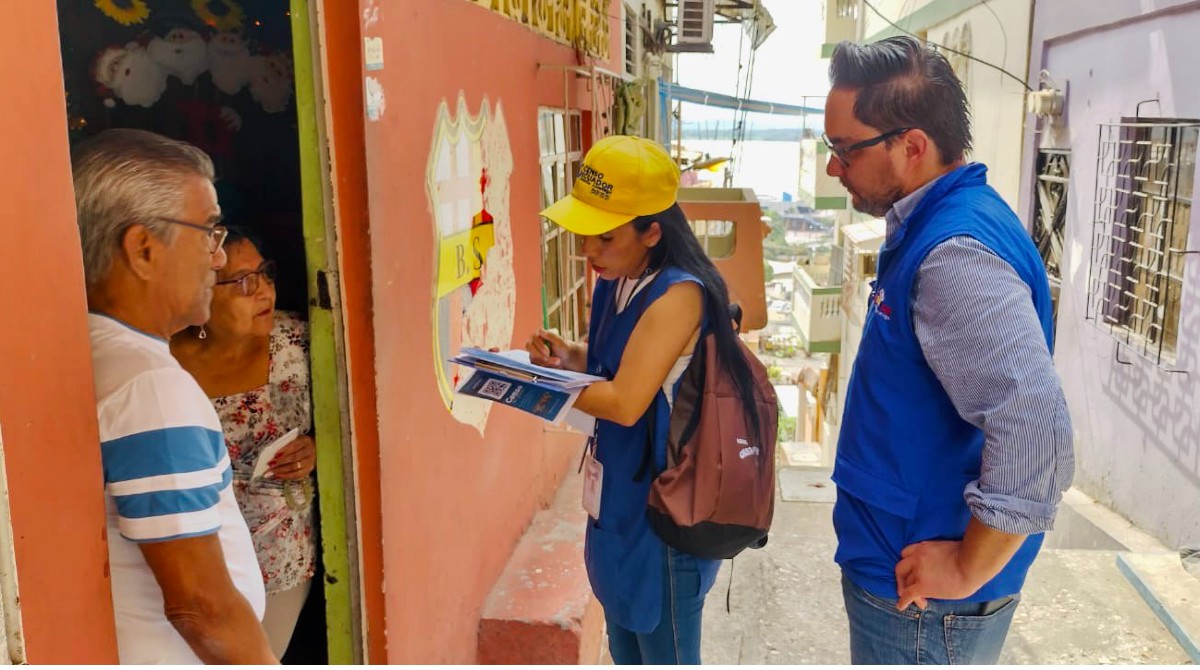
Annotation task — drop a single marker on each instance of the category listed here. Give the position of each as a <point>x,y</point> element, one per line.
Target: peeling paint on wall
<point>376,102</point>
<point>370,15</point>
<point>474,297</point>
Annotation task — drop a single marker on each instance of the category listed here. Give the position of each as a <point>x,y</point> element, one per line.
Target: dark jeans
<point>676,640</point>
<point>943,634</point>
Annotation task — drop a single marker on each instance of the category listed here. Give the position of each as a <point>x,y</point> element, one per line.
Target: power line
<point>941,46</point>
<point>1003,34</point>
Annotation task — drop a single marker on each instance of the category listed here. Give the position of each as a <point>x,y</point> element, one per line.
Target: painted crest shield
<point>467,181</point>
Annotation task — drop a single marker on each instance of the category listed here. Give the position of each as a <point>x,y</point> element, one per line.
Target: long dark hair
<point>680,248</point>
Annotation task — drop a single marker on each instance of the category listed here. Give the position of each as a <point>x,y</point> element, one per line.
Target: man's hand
<point>931,570</point>
<point>952,570</point>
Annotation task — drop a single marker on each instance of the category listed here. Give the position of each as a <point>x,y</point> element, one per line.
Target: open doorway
<point>229,76</point>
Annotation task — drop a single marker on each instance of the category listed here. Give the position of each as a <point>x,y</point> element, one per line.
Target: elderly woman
<point>252,362</point>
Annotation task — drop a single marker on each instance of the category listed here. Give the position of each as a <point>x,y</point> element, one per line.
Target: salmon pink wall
<point>47,404</point>
<point>454,503</point>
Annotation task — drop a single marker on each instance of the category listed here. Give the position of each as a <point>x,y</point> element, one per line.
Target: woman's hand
<point>294,461</point>
<point>549,350</point>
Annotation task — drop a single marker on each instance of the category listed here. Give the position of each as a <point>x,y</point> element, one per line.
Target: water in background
<point>770,168</point>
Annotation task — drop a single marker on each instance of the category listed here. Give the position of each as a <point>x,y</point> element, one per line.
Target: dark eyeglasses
<point>216,233</point>
<point>842,152</point>
<point>248,282</point>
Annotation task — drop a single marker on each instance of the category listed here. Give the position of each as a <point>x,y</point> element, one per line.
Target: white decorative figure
<point>229,62</point>
<point>182,53</point>
<point>132,74</point>
<point>271,81</point>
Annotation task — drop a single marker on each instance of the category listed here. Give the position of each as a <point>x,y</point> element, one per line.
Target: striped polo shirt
<point>167,476</point>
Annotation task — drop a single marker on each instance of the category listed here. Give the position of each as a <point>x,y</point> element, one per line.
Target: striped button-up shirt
<point>977,326</point>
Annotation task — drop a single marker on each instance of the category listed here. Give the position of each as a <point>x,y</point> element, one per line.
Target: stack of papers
<point>509,378</point>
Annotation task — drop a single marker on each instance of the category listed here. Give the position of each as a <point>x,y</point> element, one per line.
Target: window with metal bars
<point>1144,173</point>
<point>1050,220</point>
<point>564,271</point>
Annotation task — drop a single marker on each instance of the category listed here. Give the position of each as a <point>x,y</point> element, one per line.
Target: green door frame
<point>330,398</point>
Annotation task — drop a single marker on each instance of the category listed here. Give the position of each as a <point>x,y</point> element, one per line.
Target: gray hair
<point>125,176</point>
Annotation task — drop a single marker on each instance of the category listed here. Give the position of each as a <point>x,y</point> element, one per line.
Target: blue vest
<point>904,455</point>
<point>625,559</point>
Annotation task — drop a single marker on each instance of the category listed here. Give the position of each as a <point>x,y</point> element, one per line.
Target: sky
<point>787,67</point>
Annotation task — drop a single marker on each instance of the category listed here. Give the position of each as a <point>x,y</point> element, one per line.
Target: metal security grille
<point>564,270</point>
<point>1144,174</point>
<point>1050,222</point>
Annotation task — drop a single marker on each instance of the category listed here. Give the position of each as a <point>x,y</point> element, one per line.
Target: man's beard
<point>879,206</point>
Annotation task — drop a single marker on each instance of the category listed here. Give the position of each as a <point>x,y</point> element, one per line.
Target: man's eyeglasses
<point>216,233</point>
<point>248,282</point>
<point>842,152</point>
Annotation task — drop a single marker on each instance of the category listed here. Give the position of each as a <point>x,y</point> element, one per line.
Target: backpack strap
<point>696,374</point>
<point>697,370</point>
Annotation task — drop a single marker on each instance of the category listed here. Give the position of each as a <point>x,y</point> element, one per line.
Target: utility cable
<point>737,90</point>
<point>739,147</point>
<point>1003,35</point>
<point>941,46</point>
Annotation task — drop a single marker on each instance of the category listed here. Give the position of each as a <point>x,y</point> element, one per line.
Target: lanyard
<point>609,312</point>
<point>610,308</point>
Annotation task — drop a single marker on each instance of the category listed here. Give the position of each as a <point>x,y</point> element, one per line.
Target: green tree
<point>768,272</point>
<point>787,427</point>
<point>775,245</point>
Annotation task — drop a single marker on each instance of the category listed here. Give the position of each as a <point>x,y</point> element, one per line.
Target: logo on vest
<point>877,301</point>
<point>600,188</point>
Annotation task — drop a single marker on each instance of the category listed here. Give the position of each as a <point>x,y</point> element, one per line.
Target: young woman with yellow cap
<point>657,295</point>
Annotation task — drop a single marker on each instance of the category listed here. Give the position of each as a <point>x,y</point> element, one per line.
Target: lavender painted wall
<point>1137,426</point>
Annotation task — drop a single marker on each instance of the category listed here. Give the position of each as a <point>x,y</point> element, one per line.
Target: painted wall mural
<point>467,181</point>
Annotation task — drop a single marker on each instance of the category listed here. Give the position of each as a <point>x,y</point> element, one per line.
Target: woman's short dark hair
<point>902,83</point>
<point>238,234</point>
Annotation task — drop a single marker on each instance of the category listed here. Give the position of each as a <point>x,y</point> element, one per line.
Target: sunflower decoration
<point>219,14</point>
<point>124,12</point>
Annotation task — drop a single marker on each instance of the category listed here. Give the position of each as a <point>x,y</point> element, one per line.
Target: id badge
<point>593,480</point>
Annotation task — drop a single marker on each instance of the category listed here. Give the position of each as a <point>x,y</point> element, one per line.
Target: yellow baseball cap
<point>623,177</point>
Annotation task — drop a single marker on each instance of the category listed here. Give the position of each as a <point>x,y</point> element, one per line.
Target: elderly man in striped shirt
<point>185,578</point>
<point>956,443</point>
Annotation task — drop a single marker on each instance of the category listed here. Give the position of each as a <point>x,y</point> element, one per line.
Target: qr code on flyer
<point>494,389</point>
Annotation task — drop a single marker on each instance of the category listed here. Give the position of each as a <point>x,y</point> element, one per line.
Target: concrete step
<point>786,601</point>
<point>809,485</point>
<point>541,610</point>
<point>802,454</point>
<point>1170,592</point>
<point>1077,609</point>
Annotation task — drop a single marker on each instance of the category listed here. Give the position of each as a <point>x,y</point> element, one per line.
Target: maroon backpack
<point>717,495</point>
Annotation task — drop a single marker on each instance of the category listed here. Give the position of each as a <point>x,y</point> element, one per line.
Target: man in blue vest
<point>956,443</point>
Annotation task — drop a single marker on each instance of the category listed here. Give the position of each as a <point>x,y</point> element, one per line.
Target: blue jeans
<point>676,640</point>
<point>944,634</point>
